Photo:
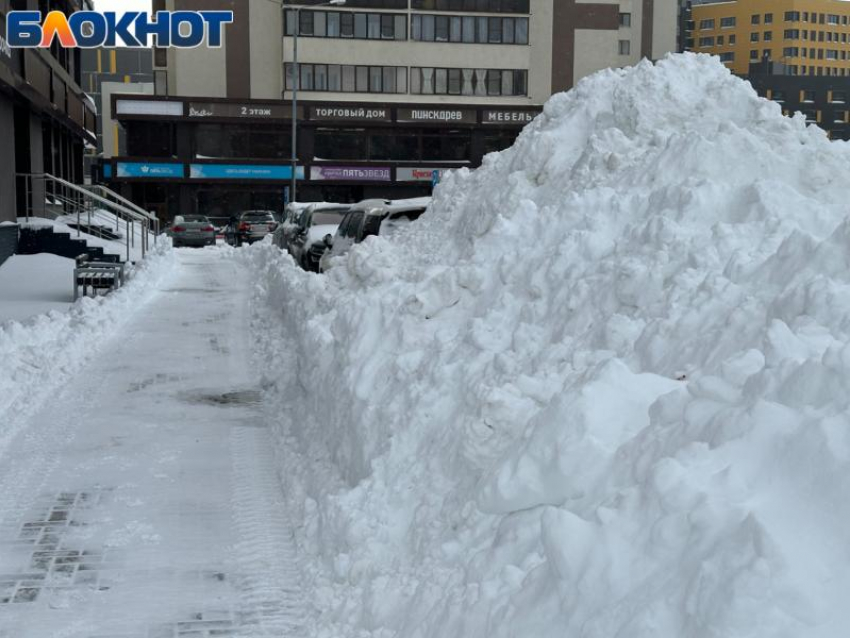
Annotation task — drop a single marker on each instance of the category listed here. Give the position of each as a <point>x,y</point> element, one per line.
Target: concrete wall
<point>7,164</point>
<point>8,241</point>
<point>111,133</point>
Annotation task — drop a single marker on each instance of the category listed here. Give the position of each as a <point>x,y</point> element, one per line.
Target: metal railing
<point>51,197</point>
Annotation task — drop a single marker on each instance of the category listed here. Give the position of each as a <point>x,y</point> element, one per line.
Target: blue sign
<point>146,169</point>
<point>107,171</point>
<point>242,171</point>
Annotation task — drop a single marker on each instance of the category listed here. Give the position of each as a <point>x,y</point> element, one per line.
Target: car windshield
<point>195,219</point>
<point>327,217</point>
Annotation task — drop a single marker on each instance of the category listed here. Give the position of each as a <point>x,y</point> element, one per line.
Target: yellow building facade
<point>811,37</point>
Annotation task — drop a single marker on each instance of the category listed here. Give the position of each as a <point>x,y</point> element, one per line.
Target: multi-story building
<point>124,65</point>
<point>808,37</point>
<point>391,92</point>
<point>45,117</point>
<point>795,52</point>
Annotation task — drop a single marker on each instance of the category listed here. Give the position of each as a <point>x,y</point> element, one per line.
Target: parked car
<point>254,225</point>
<point>304,238</point>
<point>192,230</point>
<point>370,217</point>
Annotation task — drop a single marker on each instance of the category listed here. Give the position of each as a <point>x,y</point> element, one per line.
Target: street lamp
<point>296,79</point>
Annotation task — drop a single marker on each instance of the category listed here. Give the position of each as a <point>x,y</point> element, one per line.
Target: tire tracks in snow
<point>270,580</point>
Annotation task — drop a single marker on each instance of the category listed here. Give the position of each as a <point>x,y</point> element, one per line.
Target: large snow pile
<point>601,389</point>
<point>39,355</point>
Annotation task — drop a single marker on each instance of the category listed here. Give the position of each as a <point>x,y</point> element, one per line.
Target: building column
<point>7,168</point>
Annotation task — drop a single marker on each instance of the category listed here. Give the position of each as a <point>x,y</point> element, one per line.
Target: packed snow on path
<point>600,389</point>
<point>141,499</point>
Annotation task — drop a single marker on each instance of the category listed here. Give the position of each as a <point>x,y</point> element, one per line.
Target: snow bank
<point>37,357</point>
<point>600,389</point>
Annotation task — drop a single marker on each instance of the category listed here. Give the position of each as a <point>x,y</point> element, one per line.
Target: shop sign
<point>508,116</point>
<point>432,175</point>
<point>243,171</point>
<point>149,107</point>
<point>107,171</point>
<point>149,170</point>
<point>447,115</point>
<point>351,173</point>
<point>350,114</point>
<point>240,111</point>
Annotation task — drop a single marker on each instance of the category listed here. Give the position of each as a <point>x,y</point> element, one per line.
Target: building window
<point>754,37</point>
<point>839,97</point>
<point>833,19</point>
<point>706,42</point>
<point>481,82</point>
<point>807,96</point>
<point>831,54</point>
<point>728,56</point>
<point>732,38</point>
<point>754,54</point>
<point>439,28</point>
<point>335,24</point>
<point>792,16</point>
<point>706,24</point>
<point>792,34</point>
<point>481,6</point>
<point>625,19</point>
<point>349,78</point>
<point>727,23</point>
<point>756,19</point>
<point>768,36</point>
<point>625,47</point>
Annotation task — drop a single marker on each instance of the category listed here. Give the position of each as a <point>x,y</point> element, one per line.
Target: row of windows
<point>480,82</point>
<point>336,24</point>
<point>389,145</point>
<point>344,78</point>
<point>348,78</point>
<point>793,69</point>
<point>725,23</point>
<point>820,54</point>
<point>470,29</point>
<point>814,36</point>
<point>816,18</point>
<point>481,6</point>
<point>709,41</point>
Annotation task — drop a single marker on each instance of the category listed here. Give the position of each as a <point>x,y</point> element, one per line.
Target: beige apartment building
<point>391,93</point>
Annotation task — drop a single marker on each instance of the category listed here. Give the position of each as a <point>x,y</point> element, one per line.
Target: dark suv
<point>254,225</point>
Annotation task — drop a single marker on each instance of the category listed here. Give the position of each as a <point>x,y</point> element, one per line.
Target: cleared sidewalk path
<point>142,501</point>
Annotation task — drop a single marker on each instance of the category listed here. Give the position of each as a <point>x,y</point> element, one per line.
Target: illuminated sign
<point>92,29</point>
<point>149,170</point>
<point>243,171</point>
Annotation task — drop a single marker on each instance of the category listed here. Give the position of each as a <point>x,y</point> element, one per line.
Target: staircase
<point>34,240</point>
<point>94,210</point>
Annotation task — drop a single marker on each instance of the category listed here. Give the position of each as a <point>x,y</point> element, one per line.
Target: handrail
<point>75,199</point>
<point>86,193</point>
<point>111,193</point>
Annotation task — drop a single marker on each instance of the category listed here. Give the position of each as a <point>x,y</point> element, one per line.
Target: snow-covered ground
<point>599,390</point>
<point>142,499</point>
<point>35,284</point>
<point>39,356</point>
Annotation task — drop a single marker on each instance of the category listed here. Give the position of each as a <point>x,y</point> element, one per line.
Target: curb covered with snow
<point>39,355</point>
<point>600,389</point>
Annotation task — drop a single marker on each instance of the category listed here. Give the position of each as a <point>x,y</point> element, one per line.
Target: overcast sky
<point>122,5</point>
